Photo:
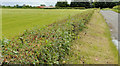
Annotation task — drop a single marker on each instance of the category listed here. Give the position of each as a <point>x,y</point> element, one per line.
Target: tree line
<point>76,5</point>
<point>88,4</point>
<point>18,6</point>
<point>23,6</point>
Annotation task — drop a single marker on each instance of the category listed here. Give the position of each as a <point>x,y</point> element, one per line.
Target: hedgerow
<point>47,45</point>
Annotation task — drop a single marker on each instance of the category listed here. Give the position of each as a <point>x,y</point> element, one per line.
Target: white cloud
<point>22,0</point>
<point>30,2</point>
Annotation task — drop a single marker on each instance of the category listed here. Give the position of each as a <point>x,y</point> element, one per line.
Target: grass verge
<point>94,45</point>
<point>116,10</point>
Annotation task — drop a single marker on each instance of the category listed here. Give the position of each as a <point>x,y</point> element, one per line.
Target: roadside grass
<point>15,21</point>
<point>115,10</point>
<point>94,44</point>
<point>106,9</point>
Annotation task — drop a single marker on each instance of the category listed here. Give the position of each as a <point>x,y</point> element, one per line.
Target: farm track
<point>112,19</point>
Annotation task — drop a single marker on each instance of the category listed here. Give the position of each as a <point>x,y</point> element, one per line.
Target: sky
<point>30,2</point>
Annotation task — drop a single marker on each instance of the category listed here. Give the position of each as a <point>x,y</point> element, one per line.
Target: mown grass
<point>15,21</point>
<point>94,45</point>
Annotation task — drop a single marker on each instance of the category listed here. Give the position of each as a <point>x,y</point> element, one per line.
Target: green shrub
<point>104,4</point>
<point>47,45</point>
<point>62,4</point>
<point>80,4</point>
<point>117,7</point>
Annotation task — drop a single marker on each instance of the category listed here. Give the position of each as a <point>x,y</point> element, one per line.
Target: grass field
<point>15,21</point>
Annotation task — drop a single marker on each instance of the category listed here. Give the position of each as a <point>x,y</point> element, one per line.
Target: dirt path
<point>112,20</point>
<point>94,45</point>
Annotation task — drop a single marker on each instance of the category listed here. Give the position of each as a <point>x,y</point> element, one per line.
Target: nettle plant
<point>48,45</point>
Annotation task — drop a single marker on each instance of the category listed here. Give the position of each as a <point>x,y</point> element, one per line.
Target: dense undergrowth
<point>47,45</point>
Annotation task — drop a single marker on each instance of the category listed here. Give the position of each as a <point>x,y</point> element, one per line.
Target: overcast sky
<point>30,2</point>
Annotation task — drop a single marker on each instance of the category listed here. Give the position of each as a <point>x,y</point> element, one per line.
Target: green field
<point>15,21</point>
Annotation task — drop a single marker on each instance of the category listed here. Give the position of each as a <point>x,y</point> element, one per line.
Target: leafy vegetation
<point>80,4</point>
<point>88,4</point>
<point>62,4</point>
<point>47,45</point>
<point>116,8</point>
<point>105,4</point>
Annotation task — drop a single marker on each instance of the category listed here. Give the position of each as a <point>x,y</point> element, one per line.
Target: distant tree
<point>27,6</point>
<point>42,5</point>
<point>118,3</point>
<point>16,6</point>
<point>62,4</point>
<point>51,5</point>
<point>3,6</point>
<point>110,4</point>
<point>80,4</point>
<point>24,6</point>
<point>104,4</point>
<point>9,6</point>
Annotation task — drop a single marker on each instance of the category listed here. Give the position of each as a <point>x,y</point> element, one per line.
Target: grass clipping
<point>94,45</point>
